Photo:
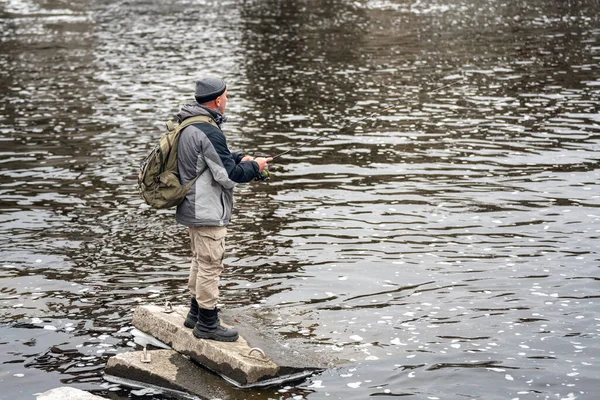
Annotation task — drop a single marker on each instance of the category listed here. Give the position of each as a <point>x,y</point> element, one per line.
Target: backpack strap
<point>196,120</point>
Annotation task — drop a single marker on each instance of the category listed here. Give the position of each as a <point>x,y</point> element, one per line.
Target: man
<point>206,210</point>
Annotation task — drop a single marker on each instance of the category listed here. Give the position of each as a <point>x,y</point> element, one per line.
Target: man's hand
<point>248,158</point>
<point>262,162</point>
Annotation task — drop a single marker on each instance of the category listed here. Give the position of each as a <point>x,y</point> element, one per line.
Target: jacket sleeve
<point>238,171</point>
<point>238,157</point>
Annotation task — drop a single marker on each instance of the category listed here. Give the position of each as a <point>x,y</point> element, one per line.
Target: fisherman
<point>207,208</point>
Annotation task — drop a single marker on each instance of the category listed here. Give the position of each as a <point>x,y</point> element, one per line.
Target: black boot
<point>208,327</point>
<point>192,316</point>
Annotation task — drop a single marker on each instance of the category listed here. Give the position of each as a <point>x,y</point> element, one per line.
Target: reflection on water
<point>446,249</point>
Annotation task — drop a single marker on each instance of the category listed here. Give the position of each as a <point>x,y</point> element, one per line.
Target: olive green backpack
<point>158,178</point>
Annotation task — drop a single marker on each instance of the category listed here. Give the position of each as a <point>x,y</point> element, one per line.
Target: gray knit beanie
<point>208,89</point>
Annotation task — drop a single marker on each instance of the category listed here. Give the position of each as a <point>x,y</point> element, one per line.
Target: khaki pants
<point>208,249</point>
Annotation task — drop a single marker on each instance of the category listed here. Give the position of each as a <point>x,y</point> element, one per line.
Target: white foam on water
<point>316,385</point>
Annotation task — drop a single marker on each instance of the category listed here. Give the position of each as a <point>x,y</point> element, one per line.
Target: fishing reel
<point>264,176</point>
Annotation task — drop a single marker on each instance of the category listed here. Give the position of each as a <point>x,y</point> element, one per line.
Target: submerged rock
<point>67,393</point>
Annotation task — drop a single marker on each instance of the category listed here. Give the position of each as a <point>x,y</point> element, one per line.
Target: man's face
<point>222,102</point>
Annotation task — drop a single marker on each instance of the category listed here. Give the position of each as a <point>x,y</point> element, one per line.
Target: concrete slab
<point>67,393</point>
<point>169,372</point>
<point>232,360</point>
<point>289,352</point>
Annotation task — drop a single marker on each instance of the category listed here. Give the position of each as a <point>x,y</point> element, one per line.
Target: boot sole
<point>211,336</point>
<point>189,324</point>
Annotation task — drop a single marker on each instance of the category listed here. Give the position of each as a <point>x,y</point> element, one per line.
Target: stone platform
<point>255,359</point>
<point>232,359</point>
<point>168,372</point>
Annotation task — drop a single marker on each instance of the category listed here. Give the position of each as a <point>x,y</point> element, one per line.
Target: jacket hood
<point>195,109</point>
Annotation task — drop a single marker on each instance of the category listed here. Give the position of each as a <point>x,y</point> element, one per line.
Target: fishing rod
<point>351,126</point>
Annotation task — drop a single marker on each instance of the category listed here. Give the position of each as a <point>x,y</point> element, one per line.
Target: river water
<point>446,249</point>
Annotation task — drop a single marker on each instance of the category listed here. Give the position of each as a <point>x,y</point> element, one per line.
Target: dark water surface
<point>448,249</point>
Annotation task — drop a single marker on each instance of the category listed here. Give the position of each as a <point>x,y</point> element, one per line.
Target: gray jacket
<point>203,151</point>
